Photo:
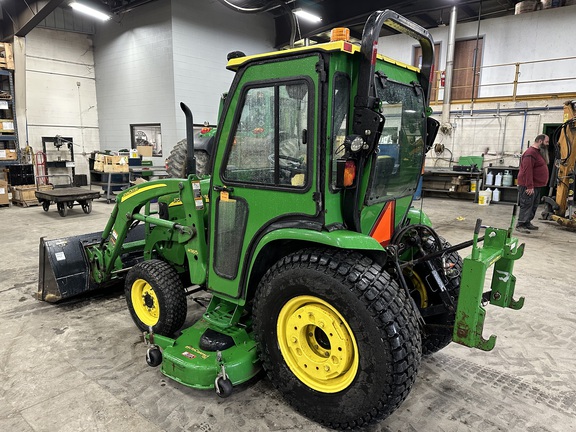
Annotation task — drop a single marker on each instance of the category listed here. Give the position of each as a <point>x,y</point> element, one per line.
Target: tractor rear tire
<point>337,336</point>
<point>155,297</point>
<point>176,162</point>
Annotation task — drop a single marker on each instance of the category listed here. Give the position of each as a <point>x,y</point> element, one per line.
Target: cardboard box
<point>7,125</point>
<point>144,151</point>
<point>8,154</point>
<point>115,164</point>
<point>4,192</point>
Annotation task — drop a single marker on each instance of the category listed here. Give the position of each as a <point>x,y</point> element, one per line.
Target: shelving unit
<point>447,182</point>
<point>9,150</point>
<point>109,182</point>
<point>147,171</point>
<point>508,194</point>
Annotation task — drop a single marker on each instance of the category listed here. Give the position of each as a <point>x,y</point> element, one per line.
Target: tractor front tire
<point>176,161</point>
<point>337,336</point>
<point>155,297</point>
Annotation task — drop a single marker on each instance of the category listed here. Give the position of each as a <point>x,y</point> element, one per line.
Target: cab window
<point>401,147</point>
<point>270,140</point>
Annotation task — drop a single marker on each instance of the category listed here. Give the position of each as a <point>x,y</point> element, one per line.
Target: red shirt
<point>533,169</point>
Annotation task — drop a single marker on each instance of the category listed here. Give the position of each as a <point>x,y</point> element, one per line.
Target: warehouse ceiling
<point>18,17</point>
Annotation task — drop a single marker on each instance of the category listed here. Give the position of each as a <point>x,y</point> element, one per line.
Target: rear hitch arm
<point>500,249</point>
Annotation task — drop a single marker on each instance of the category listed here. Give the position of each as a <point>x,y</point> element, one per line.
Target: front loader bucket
<point>64,267</point>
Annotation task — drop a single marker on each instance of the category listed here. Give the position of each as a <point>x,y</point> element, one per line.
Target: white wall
<point>165,53</point>
<point>526,37</point>
<point>203,36</point>
<point>135,74</point>
<point>61,92</point>
<point>503,130</point>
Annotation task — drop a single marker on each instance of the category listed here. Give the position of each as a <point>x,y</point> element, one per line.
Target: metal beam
<point>21,17</point>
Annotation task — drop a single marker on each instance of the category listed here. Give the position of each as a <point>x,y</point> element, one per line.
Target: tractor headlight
<point>354,143</point>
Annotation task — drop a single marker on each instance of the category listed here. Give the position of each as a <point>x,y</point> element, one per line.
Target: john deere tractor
<point>320,271</point>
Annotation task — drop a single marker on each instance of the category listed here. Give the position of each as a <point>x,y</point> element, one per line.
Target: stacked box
<point>4,192</point>
<point>145,151</point>
<point>115,164</point>
<point>111,164</point>
<point>8,154</point>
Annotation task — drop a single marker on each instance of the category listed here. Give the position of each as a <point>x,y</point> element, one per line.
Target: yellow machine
<point>561,206</point>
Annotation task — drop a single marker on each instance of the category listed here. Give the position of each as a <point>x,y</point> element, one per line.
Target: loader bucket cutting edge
<point>64,267</point>
<point>64,270</point>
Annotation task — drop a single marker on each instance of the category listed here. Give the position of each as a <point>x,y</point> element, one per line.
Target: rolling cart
<point>66,197</point>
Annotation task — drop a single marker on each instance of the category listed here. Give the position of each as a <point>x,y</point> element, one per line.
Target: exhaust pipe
<point>190,158</point>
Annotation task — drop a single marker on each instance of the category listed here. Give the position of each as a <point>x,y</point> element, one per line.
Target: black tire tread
<point>176,161</point>
<point>387,305</point>
<point>169,290</point>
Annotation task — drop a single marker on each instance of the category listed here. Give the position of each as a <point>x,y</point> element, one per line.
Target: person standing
<point>532,176</point>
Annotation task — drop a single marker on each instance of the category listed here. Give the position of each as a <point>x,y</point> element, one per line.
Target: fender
<point>417,216</point>
<point>340,239</point>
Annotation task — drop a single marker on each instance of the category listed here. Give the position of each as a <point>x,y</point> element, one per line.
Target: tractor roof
<point>343,46</point>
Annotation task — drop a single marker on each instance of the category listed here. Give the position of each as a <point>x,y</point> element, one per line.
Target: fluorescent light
<point>90,11</point>
<point>307,16</point>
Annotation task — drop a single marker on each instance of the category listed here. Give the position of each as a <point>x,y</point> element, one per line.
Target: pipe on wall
<point>449,66</point>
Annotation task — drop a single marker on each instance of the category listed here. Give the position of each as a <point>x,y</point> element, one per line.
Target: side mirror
<point>432,126</point>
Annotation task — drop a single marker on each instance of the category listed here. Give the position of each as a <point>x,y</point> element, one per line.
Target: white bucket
<point>484,197</point>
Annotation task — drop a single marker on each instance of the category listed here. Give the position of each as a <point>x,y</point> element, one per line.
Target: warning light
<point>340,34</point>
<point>205,130</point>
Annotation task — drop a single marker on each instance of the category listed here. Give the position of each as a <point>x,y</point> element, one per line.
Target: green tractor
<point>320,271</point>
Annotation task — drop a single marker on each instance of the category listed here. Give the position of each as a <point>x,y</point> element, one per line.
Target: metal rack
<point>9,129</point>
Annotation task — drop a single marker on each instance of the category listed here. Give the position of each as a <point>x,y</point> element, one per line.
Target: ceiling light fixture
<point>90,11</point>
<point>307,16</point>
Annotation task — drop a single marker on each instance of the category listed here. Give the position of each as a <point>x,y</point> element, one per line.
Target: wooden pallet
<point>6,56</point>
<point>25,203</point>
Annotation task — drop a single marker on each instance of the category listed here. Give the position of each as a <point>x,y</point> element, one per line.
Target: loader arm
<point>105,258</point>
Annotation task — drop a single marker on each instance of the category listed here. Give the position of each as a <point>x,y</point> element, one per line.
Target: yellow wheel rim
<point>317,344</point>
<point>420,288</point>
<point>145,302</point>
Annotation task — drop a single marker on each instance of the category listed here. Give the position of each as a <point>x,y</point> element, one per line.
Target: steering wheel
<point>288,163</point>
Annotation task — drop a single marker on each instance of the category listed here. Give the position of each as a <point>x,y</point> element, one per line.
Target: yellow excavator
<point>560,206</point>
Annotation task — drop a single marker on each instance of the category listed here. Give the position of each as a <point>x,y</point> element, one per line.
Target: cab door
<point>265,164</point>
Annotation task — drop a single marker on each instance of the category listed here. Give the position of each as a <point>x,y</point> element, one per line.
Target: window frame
<point>276,83</point>
<point>332,180</point>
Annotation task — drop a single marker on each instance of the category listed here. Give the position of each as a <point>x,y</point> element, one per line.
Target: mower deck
<point>184,361</point>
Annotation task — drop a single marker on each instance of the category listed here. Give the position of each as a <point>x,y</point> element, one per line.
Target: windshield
<point>401,147</point>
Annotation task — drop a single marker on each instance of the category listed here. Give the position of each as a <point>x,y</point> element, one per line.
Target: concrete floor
<point>80,366</point>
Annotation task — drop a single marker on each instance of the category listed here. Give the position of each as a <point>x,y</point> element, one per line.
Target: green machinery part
<point>500,249</point>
